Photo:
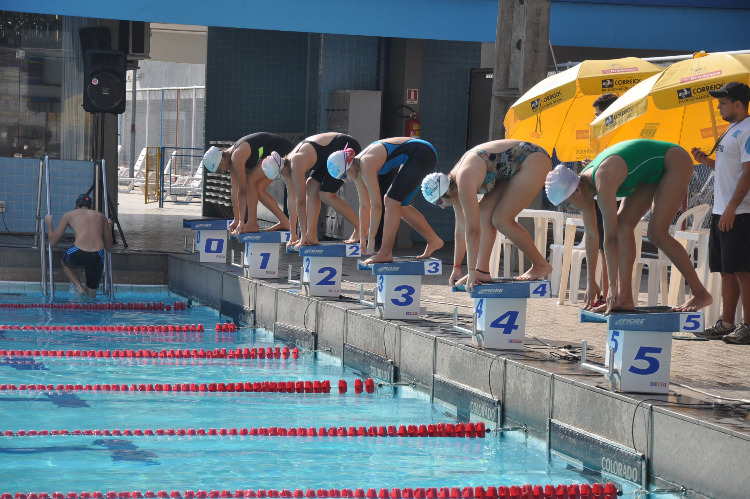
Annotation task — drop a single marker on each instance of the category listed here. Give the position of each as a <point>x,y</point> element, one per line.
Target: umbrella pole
<point>713,119</point>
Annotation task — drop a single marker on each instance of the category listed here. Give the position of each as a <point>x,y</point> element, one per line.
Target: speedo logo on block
<point>485,291</point>
<point>388,269</point>
<point>316,252</point>
<point>629,322</point>
<point>202,226</point>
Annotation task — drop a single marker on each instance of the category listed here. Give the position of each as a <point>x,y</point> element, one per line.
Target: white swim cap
<point>434,186</point>
<point>560,184</point>
<point>212,158</point>
<point>340,161</point>
<point>272,165</point>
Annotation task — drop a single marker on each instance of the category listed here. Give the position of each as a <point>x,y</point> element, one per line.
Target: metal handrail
<point>43,227</point>
<point>107,253</point>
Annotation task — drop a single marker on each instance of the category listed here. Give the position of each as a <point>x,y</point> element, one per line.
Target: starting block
<point>500,312</point>
<point>399,286</point>
<point>321,267</point>
<point>261,256</point>
<point>639,346</point>
<point>211,238</point>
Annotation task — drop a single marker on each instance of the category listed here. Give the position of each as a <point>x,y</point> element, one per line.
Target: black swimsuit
<point>320,168</point>
<point>262,144</point>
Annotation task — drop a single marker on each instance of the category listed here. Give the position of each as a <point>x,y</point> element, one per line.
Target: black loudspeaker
<point>104,81</point>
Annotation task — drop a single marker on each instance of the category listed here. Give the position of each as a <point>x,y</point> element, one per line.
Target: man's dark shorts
<point>93,263</point>
<point>728,251</point>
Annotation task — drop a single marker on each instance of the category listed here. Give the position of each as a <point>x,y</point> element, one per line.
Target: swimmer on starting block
<point>648,174</point>
<point>249,184</point>
<point>509,173</point>
<point>304,196</point>
<point>411,159</point>
<point>93,234</point>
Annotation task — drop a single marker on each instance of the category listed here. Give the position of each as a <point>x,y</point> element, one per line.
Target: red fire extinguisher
<point>413,124</point>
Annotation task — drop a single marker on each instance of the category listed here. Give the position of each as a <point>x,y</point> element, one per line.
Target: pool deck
<point>701,371</point>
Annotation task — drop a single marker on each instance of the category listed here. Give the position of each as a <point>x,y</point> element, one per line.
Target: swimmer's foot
<point>536,272</point>
<point>354,238</point>
<point>379,258</point>
<point>696,302</point>
<point>76,291</point>
<point>432,246</point>
<point>277,226</point>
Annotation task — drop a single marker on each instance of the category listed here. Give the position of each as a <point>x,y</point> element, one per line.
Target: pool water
<point>121,462</point>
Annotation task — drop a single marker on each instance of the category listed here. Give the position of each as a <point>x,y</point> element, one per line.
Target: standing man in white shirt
<point>730,221</point>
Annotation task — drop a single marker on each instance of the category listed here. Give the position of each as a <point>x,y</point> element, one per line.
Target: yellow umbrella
<point>674,105</point>
<point>556,112</point>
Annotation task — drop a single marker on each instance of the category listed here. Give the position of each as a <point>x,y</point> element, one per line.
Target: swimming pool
<point>117,453</point>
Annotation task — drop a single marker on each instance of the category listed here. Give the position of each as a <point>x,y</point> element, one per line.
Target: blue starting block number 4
<point>507,322</point>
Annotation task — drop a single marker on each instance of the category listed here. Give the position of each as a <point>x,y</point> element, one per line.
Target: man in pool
<point>93,234</point>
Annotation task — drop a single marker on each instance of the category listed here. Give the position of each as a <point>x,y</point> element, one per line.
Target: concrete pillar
<point>521,49</point>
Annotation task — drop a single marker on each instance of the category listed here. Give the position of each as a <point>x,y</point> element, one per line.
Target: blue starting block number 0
<point>214,246</point>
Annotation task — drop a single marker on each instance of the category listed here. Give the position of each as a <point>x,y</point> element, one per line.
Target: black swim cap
<point>83,200</point>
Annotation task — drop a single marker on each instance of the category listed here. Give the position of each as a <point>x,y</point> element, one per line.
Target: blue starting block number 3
<point>406,295</point>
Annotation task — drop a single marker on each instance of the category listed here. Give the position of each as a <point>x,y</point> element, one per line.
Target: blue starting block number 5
<point>653,362</point>
<point>692,322</point>
<point>613,339</point>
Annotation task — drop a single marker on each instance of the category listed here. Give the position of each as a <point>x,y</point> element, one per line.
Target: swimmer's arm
<point>237,171</point>
<point>591,237</point>
<point>291,208</point>
<point>459,246</point>
<point>300,195</point>
<point>369,177</point>
<point>364,209</point>
<point>54,235</point>
<point>469,206</point>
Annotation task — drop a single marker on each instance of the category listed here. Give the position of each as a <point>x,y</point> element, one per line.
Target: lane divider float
<point>444,430</point>
<point>172,353</point>
<point>526,491</point>
<point>247,386</point>
<point>151,306</point>
<point>140,328</point>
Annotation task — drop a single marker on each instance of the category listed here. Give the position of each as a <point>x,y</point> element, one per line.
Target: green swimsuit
<point>645,160</point>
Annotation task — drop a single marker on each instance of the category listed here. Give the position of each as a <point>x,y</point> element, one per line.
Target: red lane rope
<point>142,328</point>
<point>247,386</point>
<point>468,430</point>
<point>154,306</point>
<point>224,327</point>
<point>172,353</point>
<point>526,491</point>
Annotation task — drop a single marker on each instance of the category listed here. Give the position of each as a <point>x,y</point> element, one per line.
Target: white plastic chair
<point>659,267</point>
<point>123,172</point>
